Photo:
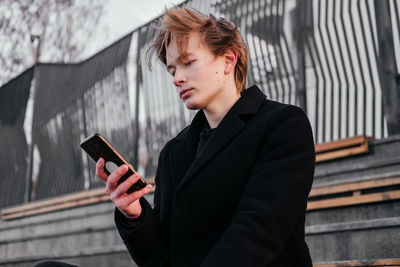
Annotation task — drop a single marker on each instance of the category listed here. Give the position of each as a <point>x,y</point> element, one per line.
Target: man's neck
<point>217,110</point>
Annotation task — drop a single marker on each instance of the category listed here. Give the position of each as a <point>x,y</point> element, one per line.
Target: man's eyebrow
<point>179,59</point>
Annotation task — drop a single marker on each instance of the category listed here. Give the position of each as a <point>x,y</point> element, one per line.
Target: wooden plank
<point>49,202</point>
<point>353,200</point>
<point>387,262</point>
<point>363,148</point>
<point>347,187</point>
<point>342,143</point>
<point>380,262</point>
<point>59,203</point>
<point>60,206</point>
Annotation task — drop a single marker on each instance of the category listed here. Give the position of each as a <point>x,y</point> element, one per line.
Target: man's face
<point>199,78</point>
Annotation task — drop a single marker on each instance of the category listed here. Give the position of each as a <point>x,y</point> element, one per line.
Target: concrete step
<point>366,239</point>
<point>353,213</point>
<point>85,236</point>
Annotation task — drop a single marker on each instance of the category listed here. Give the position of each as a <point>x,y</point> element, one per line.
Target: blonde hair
<point>218,34</point>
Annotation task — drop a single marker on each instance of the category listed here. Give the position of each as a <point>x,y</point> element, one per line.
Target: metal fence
<point>13,143</point>
<point>338,60</point>
<point>343,69</point>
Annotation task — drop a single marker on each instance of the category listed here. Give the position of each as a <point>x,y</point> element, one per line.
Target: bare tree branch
<point>45,30</point>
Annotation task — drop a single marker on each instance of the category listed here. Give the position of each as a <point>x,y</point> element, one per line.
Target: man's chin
<point>192,106</point>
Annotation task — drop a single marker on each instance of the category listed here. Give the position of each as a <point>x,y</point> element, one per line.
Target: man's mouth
<point>184,92</point>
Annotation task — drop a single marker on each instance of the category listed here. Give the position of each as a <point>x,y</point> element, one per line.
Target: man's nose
<point>179,77</point>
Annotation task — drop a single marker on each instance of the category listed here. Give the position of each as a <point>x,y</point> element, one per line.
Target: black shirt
<point>204,136</point>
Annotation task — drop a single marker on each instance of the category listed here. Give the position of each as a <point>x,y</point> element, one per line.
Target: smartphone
<point>97,146</point>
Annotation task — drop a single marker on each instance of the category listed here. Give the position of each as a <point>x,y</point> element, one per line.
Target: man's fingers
<point>124,186</point>
<point>132,197</point>
<point>100,170</point>
<point>112,180</point>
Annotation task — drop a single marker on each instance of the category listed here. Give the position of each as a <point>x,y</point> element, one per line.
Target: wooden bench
<point>58,203</point>
<point>380,262</point>
<point>354,193</point>
<point>342,148</point>
<point>322,197</point>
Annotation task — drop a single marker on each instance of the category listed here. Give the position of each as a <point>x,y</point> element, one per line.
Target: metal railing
<point>338,60</point>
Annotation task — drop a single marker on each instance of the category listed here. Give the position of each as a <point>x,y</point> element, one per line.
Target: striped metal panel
<point>342,70</point>
<point>13,144</point>
<point>324,56</point>
<point>71,102</point>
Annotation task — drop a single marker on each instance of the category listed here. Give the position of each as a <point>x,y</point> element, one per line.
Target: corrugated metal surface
<point>13,145</point>
<point>322,56</point>
<point>71,102</point>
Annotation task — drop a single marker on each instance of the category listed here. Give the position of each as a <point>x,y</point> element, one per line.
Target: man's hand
<point>128,204</point>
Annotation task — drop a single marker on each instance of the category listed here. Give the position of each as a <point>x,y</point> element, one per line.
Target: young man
<point>232,187</point>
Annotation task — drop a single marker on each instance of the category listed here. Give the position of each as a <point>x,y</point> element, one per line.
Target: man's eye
<point>187,64</point>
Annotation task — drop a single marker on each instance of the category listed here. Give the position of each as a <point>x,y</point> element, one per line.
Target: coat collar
<point>183,162</point>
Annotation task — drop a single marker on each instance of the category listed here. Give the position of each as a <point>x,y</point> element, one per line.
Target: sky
<point>123,16</point>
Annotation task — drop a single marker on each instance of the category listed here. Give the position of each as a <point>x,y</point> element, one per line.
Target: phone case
<point>97,146</point>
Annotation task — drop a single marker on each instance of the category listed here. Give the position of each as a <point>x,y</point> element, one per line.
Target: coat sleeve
<point>142,237</point>
<point>275,195</point>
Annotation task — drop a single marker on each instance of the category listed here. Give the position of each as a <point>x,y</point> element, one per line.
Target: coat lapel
<point>230,127</point>
<point>182,154</point>
<point>183,162</point>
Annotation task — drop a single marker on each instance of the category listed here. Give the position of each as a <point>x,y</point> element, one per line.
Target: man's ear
<point>231,57</point>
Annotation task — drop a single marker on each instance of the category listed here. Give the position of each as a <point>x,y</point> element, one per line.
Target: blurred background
<point>72,68</point>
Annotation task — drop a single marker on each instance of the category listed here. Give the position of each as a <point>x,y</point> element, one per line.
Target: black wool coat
<point>240,202</point>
